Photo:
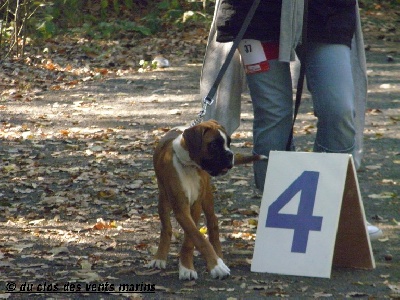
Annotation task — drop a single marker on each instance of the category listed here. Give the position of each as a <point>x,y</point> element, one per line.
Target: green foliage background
<point>25,22</point>
<point>29,21</point>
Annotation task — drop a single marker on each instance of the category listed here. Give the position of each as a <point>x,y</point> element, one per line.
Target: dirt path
<point>78,195</point>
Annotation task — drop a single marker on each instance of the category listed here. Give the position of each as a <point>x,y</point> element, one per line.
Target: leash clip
<point>206,102</point>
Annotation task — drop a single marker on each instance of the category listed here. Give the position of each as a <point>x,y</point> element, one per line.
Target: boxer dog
<point>184,161</point>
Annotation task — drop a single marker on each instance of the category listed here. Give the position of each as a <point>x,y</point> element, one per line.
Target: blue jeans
<point>330,82</point>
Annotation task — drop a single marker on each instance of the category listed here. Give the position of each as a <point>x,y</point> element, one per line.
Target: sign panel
<point>300,213</point>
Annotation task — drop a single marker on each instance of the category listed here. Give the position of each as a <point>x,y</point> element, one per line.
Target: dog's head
<point>208,145</point>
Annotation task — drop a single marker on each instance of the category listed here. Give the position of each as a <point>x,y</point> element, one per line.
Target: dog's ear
<point>193,138</point>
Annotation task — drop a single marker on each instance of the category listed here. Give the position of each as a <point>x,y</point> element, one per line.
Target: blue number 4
<point>304,221</point>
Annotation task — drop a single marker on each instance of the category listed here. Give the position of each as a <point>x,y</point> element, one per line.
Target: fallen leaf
<point>59,250</point>
<point>203,230</point>
<point>161,288</point>
<point>322,295</point>
<point>190,283</point>
<point>216,289</point>
<point>147,272</point>
<point>375,167</point>
<point>356,295</point>
<point>383,195</point>
<point>258,287</point>
<point>175,112</point>
<point>86,265</point>
<point>88,276</point>
<point>394,288</point>
<point>241,183</point>
<point>101,224</point>
<point>37,222</point>
<point>21,246</point>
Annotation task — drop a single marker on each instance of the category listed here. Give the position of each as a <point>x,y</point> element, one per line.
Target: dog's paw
<point>220,270</point>
<point>186,274</point>
<point>157,263</point>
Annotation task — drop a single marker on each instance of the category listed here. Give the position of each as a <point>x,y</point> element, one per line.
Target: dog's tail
<point>241,159</point>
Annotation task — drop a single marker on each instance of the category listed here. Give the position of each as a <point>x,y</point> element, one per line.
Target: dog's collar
<point>182,155</point>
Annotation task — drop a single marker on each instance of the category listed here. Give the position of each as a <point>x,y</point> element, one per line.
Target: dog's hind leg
<point>164,211</point>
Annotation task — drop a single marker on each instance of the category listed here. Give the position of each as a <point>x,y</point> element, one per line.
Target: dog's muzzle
<point>218,165</point>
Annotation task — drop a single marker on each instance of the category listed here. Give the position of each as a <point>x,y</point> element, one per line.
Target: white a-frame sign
<point>311,216</point>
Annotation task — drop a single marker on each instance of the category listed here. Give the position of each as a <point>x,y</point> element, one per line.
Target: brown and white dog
<point>183,162</point>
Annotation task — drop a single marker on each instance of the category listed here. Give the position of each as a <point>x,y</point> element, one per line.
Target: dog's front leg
<point>186,267</point>
<point>212,224</point>
<point>215,264</point>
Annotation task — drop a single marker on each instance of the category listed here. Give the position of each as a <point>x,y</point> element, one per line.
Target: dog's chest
<point>189,179</point>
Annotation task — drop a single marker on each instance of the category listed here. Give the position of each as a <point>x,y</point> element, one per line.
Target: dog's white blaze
<point>226,147</point>
<point>188,175</point>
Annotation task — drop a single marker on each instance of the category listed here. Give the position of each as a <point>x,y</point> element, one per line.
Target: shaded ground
<point>78,195</point>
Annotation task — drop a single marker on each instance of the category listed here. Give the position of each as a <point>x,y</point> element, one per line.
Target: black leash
<point>300,81</point>
<point>209,99</point>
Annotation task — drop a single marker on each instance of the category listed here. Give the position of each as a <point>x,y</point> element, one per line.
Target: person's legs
<point>271,94</point>
<point>330,82</point>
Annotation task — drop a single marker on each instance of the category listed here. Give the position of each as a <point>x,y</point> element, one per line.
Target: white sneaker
<point>374,232</point>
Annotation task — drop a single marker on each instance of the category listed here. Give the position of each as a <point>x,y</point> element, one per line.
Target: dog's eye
<point>213,146</point>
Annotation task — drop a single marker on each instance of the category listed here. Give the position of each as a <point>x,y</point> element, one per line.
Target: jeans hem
<point>320,148</point>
